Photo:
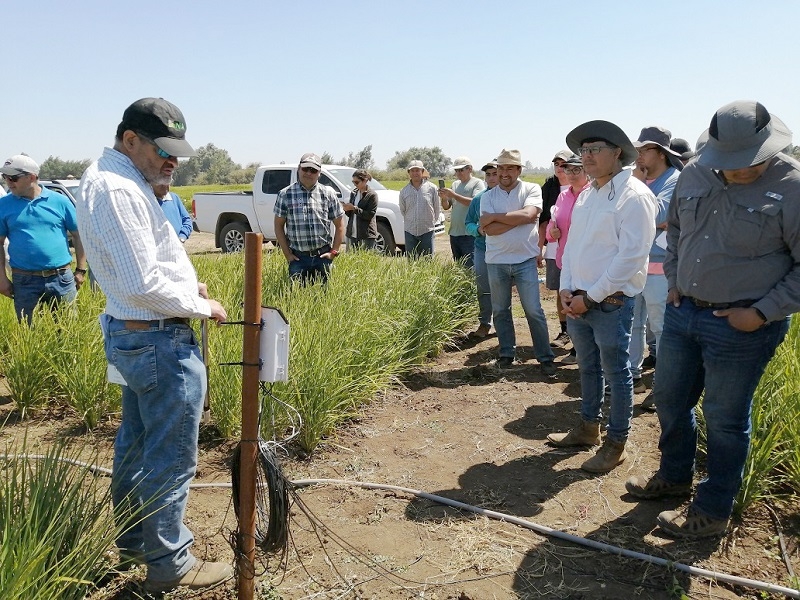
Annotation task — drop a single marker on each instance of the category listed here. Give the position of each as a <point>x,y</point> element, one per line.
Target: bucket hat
<point>742,134</point>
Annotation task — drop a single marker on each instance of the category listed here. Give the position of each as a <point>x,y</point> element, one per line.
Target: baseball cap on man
<point>415,164</point>
<point>159,120</point>
<point>461,162</point>
<point>19,164</point>
<point>742,134</point>
<point>309,159</point>
<point>510,157</point>
<point>492,164</point>
<point>563,155</point>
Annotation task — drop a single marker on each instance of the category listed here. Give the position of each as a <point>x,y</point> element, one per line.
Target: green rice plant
<point>8,320</point>
<point>26,366</point>
<point>78,361</point>
<point>55,527</point>
<point>349,339</point>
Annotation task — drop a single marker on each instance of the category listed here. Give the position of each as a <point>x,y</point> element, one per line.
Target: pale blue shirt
<point>133,251</point>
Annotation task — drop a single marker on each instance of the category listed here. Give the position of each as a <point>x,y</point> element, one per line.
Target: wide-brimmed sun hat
<point>603,130</point>
<point>742,134</point>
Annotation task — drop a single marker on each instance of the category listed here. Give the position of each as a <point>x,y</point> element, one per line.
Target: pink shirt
<point>561,217</point>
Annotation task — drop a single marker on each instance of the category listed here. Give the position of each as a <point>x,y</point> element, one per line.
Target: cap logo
<point>179,125</point>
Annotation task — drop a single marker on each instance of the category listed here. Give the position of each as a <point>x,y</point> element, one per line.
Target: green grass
<point>185,192</point>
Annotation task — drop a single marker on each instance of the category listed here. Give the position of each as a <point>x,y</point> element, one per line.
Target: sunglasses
<point>309,170</point>
<point>159,151</point>
<point>14,178</point>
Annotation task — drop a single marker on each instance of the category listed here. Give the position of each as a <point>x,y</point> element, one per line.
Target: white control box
<point>274,351</point>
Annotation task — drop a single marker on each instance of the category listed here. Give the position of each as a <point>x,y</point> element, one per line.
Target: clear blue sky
<point>269,80</point>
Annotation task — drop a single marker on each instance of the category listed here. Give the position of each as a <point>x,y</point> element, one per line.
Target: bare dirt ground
<point>460,429</point>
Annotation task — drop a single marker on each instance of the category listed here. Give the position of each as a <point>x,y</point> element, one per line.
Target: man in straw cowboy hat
<point>509,213</point>
<point>733,250</point>
<point>604,266</point>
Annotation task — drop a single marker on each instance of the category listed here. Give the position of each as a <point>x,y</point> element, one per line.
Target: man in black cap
<point>732,265</point>
<point>152,292</point>
<point>603,267</point>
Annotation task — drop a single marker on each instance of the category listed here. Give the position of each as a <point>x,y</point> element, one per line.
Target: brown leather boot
<point>584,434</point>
<point>609,455</point>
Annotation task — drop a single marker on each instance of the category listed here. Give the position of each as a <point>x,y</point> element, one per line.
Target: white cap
<point>18,164</point>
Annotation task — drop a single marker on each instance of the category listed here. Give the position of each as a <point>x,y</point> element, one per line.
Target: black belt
<point>45,273</point>
<point>313,253</point>
<point>617,298</point>
<point>721,305</point>
<point>155,324</point>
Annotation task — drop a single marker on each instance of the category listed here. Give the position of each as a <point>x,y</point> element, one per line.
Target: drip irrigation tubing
<point>540,529</point>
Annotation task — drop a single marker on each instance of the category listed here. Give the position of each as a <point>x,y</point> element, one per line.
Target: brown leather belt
<point>617,298</point>
<point>720,305</point>
<point>45,273</point>
<point>155,324</point>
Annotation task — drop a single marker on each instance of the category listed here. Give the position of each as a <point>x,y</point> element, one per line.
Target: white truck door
<point>273,181</point>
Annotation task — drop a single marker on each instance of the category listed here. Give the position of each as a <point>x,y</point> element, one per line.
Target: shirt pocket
<point>755,228</point>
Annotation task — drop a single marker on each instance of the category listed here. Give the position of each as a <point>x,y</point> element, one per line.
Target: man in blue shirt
<point>175,211</point>
<point>35,221</point>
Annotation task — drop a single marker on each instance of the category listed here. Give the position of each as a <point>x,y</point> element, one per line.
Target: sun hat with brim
<point>682,147</point>
<point>657,136</point>
<point>742,134</point>
<point>603,130</point>
<point>509,157</point>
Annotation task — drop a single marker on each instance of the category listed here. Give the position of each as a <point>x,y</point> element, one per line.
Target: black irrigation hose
<point>272,498</point>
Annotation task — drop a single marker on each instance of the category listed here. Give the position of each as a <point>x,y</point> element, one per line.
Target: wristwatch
<point>81,271</point>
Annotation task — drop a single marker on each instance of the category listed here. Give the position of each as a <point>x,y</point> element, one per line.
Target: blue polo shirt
<point>37,230</point>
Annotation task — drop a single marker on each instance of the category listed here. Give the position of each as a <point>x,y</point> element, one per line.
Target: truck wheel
<point>232,236</point>
<point>385,242</point>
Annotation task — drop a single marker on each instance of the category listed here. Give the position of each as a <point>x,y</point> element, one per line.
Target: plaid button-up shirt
<point>308,214</point>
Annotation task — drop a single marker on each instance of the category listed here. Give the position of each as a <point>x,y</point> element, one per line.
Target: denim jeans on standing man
<point>526,276</point>
<point>463,248</point>
<point>482,281</point>
<point>649,310</point>
<point>703,353</point>
<point>601,337</point>
<point>155,453</point>
<point>30,290</point>
<point>419,245</point>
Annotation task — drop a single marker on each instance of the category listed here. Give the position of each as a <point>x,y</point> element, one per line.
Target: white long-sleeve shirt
<point>609,238</point>
<point>132,249</point>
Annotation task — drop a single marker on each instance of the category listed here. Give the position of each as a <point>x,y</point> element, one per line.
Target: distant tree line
<point>55,168</point>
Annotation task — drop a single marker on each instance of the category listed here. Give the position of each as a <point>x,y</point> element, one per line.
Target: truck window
<point>325,180</point>
<point>275,181</point>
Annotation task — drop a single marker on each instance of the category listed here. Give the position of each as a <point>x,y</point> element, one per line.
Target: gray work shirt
<point>729,242</point>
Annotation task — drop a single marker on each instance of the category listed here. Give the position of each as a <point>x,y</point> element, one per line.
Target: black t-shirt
<point>551,188</point>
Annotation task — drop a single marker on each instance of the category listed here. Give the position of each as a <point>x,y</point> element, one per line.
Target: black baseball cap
<point>159,120</point>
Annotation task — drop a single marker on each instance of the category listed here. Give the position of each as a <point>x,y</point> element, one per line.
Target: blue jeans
<point>526,276</point>
<point>463,247</point>
<point>419,245</point>
<point>155,453</point>
<point>30,290</point>
<point>601,338</point>
<point>308,268</point>
<point>482,280</point>
<point>649,311</point>
<point>700,352</point>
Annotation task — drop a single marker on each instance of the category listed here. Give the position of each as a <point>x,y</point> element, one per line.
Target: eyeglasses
<point>572,170</point>
<point>14,178</point>
<point>592,149</point>
<point>643,150</point>
<point>309,170</point>
<point>159,151</point>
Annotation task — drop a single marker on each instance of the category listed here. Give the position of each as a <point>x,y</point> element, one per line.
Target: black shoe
<point>639,386</point>
<point>504,362</point>
<point>549,368</point>
<point>649,362</point>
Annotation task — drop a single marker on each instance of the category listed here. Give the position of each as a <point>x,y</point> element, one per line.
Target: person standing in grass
<point>473,228</point>
<point>419,205</point>
<point>151,292</point>
<point>362,227</point>
<point>557,232</point>
<point>36,221</point>
<point>304,214</point>
<point>176,212</point>
<point>509,212</point>
<point>733,272</point>
<point>457,199</point>
<point>604,266</point>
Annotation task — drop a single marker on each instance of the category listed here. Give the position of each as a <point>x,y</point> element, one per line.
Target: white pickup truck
<point>229,215</point>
